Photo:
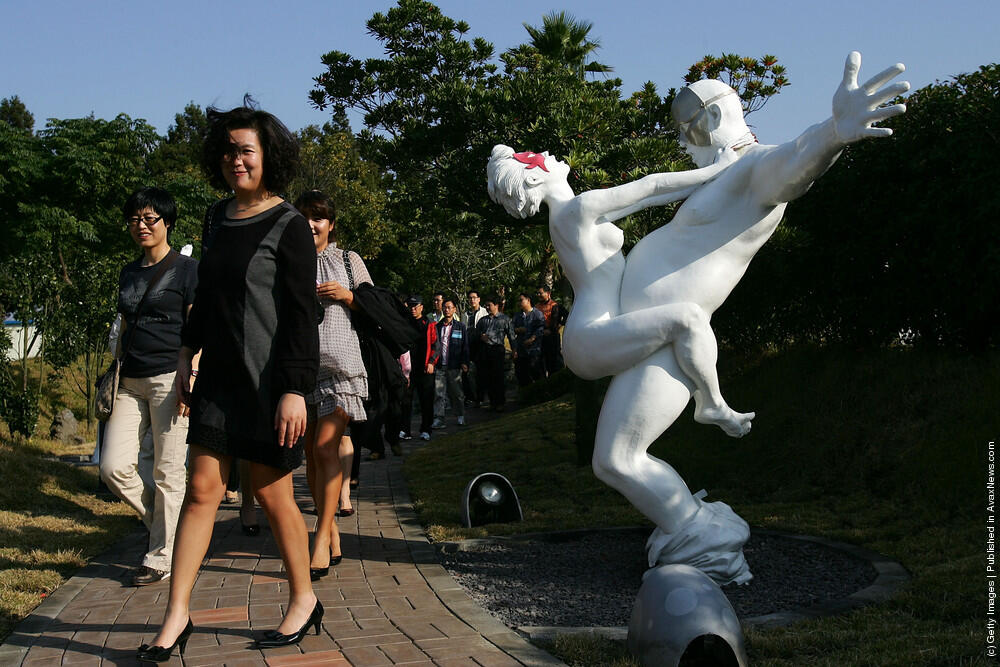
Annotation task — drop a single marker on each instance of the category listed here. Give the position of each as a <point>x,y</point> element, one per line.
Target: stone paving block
<point>355,592</point>
<point>229,615</point>
<point>321,642</point>
<point>496,659</point>
<point>89,641</point>
<point>457,662</point>
<point>42,652</point>
<point>265,612</point>
<point>418,629</point>
<point>49,661</point>
<point>328,658</point>
<point>231,600</point>
<point>402,652</point>
<point>280,652</point>
<point>257,661</point>
<point>221,656</point>
<point>72,658</point>
<point>204,600</point>
<point>372,640</point>
<point>201,638</point>
<point>366,656</point>
<point>457,647</point>
<point>364,612</point>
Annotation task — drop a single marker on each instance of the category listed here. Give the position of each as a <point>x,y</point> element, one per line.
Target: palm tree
<point>563,39</point>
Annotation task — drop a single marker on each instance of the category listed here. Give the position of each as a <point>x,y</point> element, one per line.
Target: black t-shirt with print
<point>157,334</point>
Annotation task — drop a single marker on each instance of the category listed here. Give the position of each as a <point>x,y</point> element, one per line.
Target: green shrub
<point>20,411</point>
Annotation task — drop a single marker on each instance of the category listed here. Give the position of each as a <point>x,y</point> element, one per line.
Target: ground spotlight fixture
<point>489,498</point>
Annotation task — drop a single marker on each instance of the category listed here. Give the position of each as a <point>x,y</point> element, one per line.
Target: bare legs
<point>325,474</point>
<point>208,472</point>
<point>275,493</point>
<point>612,346</point>
<point>347,454</point>
<point>207,475</point>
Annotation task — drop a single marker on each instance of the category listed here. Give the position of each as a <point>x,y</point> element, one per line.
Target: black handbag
<point>107,383</point>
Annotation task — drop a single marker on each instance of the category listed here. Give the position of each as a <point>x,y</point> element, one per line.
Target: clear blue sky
<point>69,58</point>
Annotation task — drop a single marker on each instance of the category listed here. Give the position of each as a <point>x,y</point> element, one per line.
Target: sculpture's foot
<point>735,424</point>
<point>711,540</point>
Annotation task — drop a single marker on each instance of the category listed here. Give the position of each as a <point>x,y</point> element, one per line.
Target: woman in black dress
<point>254,320</point>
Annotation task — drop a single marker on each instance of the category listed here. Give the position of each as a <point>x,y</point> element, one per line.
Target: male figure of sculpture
<point>673,280</point>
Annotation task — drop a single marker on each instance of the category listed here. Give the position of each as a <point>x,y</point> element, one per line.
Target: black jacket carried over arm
<point>386,330</point>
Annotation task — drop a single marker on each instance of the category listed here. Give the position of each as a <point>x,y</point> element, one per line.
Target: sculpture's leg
<point>641,403</point>
<point>612,346</point>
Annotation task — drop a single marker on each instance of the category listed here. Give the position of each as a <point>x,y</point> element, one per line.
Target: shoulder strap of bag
<point>167,262</point>
<point>350,270</point>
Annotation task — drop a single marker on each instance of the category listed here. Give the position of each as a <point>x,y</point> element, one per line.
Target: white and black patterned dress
<point>342,380</point>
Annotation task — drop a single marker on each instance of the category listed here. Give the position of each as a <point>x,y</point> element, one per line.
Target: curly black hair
<point>280,147</point>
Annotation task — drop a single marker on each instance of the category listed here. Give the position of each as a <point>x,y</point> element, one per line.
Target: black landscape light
<point>489,498</point>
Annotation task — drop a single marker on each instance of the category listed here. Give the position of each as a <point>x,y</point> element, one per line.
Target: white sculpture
<point>646,320</point>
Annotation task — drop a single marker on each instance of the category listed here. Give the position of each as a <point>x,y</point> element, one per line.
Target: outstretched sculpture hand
<point>856,108</point>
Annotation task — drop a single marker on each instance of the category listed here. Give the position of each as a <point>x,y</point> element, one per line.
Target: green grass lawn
<point>881,449</point>
<point>51,520</point>
<point>51,524</point>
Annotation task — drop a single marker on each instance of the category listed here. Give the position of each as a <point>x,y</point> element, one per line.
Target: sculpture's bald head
<point>709,116</point>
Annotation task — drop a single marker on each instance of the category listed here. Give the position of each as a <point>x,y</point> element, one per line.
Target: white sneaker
<point>461,421</point>
<point>424,435</point>
<point>439,423</point>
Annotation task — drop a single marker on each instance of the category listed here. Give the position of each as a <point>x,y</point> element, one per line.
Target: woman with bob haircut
<point>254,321</point>
<point>342,384</point>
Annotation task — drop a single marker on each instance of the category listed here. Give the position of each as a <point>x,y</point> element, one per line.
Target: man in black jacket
<point>423,359</point>
<point>453,350</point>
<point>492,330</point>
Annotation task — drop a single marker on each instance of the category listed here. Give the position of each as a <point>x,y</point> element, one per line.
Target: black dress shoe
<point>145,576</point>
<point>274,639</point>
<point>147,653</point>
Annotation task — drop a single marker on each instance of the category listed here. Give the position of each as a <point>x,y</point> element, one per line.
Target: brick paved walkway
<point>389,602</point>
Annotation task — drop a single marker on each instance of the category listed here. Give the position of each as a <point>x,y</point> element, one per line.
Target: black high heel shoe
<point>147,653</point>
<point>317,573</point>
<point>274,639</point>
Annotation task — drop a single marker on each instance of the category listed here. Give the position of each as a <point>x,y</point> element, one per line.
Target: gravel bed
<point>593,580</point>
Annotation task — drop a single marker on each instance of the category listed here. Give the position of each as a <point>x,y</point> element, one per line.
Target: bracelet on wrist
<point>194,372</point>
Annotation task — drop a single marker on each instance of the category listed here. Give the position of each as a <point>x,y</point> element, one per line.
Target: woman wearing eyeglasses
<point>154,296</point>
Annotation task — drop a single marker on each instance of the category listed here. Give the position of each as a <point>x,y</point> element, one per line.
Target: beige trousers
<point>148,406</point>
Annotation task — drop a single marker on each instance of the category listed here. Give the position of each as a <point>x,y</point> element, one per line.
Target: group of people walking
<point>461,359</point>
<point>247,363</point>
